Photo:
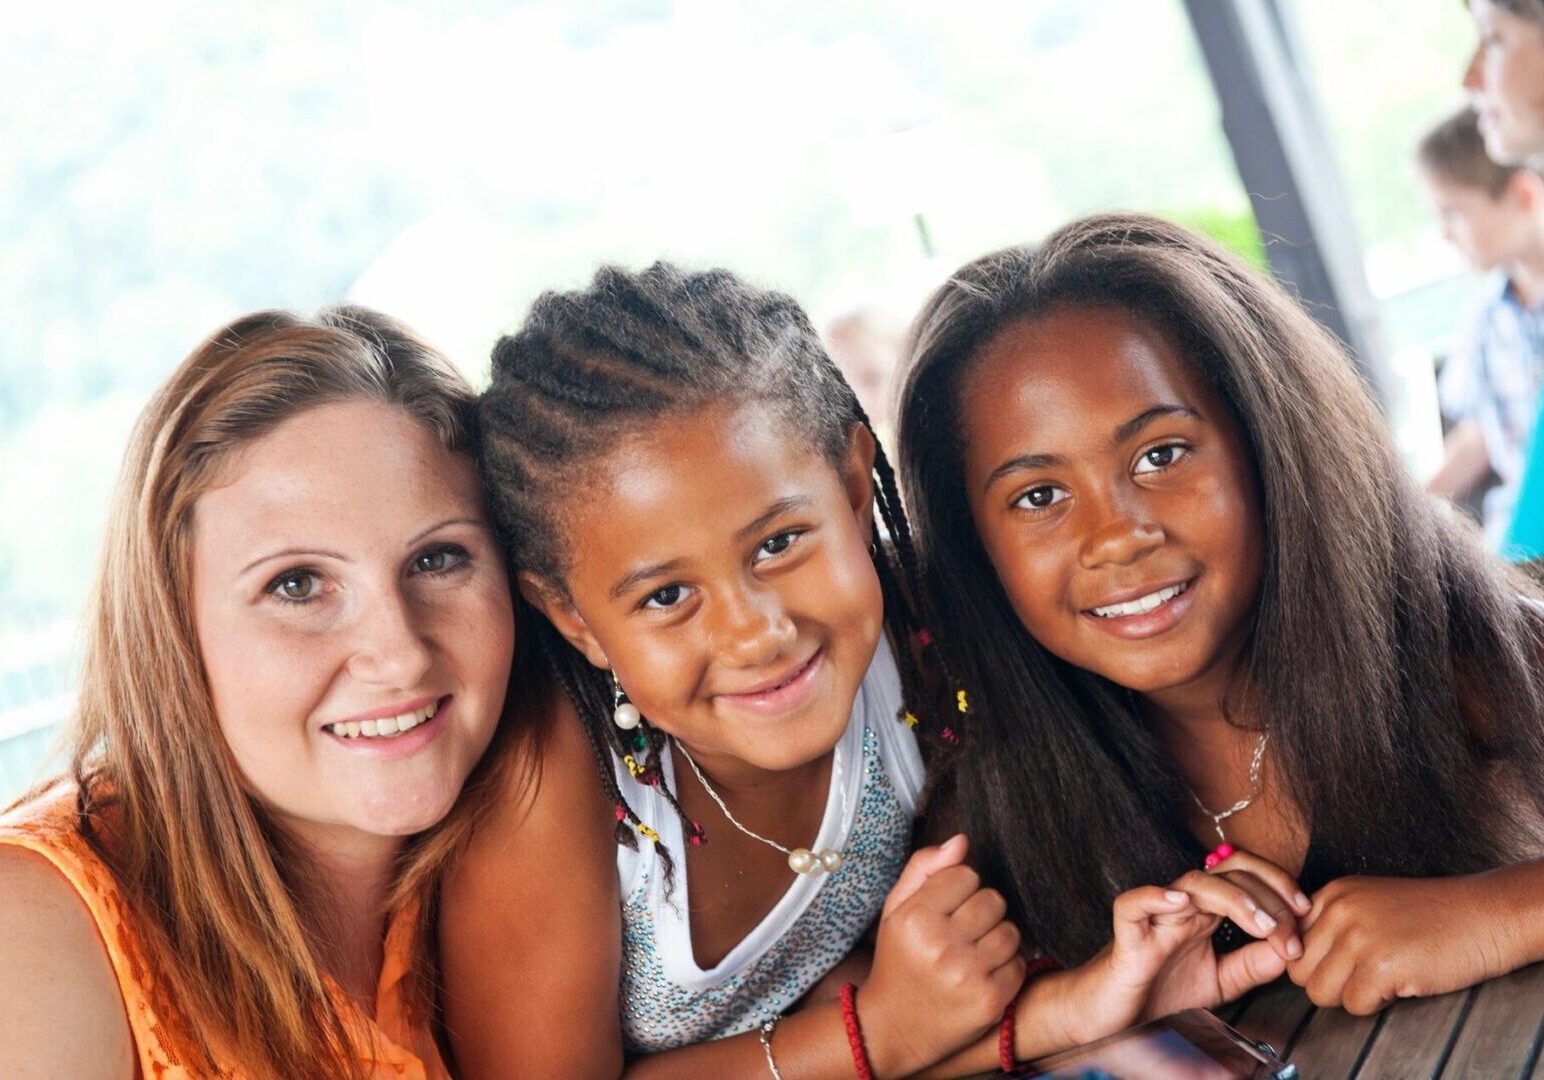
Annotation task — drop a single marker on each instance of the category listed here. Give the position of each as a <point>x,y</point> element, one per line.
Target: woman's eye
<point>1160,457</point>
<point>295,586</point>
<point>776,545</point>
<point>1040,498</point>
<point>668,597</point>
<point>438,560</point>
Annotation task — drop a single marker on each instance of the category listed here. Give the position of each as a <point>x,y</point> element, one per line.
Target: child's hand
<point>1273,889</point>
<point>1162,959</point>
<point>946,964</point>
<point>1370,940</point>
<point>1195,976</point>
<point>1189,972</point>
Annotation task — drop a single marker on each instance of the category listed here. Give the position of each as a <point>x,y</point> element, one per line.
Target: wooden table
<point>1491,1030</point>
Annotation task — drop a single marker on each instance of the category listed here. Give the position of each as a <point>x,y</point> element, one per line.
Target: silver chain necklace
<point>800,860</point>
<point>1219,816</point>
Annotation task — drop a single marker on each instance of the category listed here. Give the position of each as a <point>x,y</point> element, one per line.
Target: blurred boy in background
<point>1489,387</point>
<point>1506,77</point>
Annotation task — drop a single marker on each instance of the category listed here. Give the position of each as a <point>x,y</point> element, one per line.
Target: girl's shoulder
<point>550,785</point>
<point>59,987</point>
<point>530,915</point>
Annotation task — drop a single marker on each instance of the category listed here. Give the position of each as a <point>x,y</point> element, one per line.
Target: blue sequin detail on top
<point>658,1014</point>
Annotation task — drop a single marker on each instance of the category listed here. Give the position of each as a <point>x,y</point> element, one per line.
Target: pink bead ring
<point>1219,853</point>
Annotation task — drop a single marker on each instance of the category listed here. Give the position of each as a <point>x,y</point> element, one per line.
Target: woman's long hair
<point>1396,663</point>
<point>211,878</point>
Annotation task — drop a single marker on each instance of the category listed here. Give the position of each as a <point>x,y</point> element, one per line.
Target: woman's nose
<point>391,646</point>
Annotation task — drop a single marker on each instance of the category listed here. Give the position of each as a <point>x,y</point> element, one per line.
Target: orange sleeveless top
<point>396,1049</point>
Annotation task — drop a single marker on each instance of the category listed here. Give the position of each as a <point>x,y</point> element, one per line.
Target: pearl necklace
<point>1219,816</point>
<point>800,860</point>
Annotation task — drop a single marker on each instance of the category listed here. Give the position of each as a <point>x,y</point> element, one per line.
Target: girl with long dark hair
<point>1198,602</point>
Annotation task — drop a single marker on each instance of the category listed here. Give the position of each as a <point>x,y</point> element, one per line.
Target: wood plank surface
<point>1274,1014</point>
<point>1501,1034</point>
<point>1332,1043</point>
<point>1414,1038</point>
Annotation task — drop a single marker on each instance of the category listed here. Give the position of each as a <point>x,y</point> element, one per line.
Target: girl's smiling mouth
<point>1146,614</point>
<point>786,693</point>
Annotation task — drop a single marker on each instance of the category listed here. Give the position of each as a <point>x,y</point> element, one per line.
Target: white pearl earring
<point>625,715</point>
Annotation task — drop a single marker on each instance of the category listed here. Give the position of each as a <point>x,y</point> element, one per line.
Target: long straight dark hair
<point>1397,663</point>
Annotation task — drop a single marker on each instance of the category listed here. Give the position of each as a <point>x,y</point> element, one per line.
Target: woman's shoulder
<point>64,1010</point>
<point>47,824</point>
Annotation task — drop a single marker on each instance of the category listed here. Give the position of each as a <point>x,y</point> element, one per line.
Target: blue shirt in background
<point>1494,378</point>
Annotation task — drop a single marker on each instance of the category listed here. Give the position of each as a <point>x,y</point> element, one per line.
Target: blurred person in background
<point>1506,78</point>
<point>866,342</point>
<point>1489,387</point>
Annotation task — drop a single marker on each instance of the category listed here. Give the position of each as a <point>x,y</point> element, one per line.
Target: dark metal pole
<point>1283,152</point>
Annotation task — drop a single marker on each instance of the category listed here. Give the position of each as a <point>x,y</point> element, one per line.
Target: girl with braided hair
<point>688,487</point>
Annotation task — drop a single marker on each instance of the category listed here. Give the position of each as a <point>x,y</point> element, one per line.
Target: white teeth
<point>1141,605</point>
<point>391,725</point>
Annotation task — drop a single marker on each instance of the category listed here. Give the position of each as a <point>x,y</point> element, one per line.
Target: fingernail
<point>1250,904</point>
<point>1174,897</point>
<point>1294,947</point>
<point>1303,901</point>
<point>1264,921</point>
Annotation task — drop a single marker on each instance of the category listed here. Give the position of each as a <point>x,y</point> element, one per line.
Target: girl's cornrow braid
<point>918,601</point>
<point>626,817</point>
<point>914,712</point>
<point>893,513</point>
<point>692,829</point>
<point>906,551</point>
<point>653,740</point>
<point>897,599</point>
<point>900,535</point>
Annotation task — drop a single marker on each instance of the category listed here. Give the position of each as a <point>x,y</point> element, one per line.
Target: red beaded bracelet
<point>1006,1060</point>
<point>860,1061</point>
<point>1007,1031</point>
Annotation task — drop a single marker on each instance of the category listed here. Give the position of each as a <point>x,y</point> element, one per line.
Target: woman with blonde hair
<point>297,656</point>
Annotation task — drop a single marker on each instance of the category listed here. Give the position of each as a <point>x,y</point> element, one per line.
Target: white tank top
<point>667,1000</point>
